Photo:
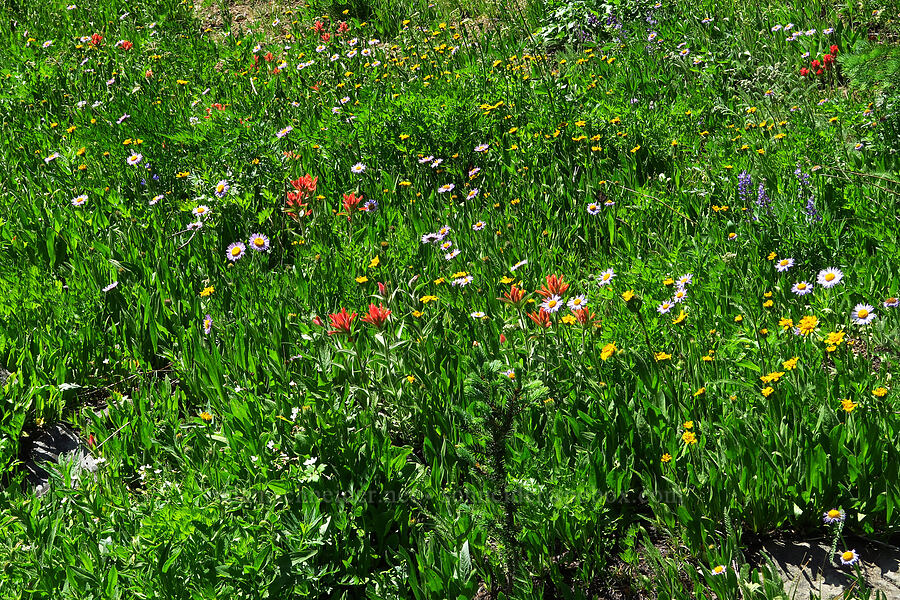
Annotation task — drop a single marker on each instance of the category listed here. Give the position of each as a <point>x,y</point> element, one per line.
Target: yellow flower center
<point>801,286</point>
<point>847,555</point>
<point>863,313</point>
<point>783,262</point>
<point>259,242</point>
<point>829,277</point>
<point>834,514</point>
<point>551,303</point>
<point>236,251</point>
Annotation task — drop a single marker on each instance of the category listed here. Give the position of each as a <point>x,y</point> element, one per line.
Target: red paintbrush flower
<point>583,315</point>
<point>342,322</point>
<point>350,202</point>
<point>514,296</point>
<point>126,45</point>
<point>96,39</point>
<point>541,318</point>
<point>834,49</point>
<point>804,72</point>
<point>377,315</point>
<point>305,186</point>
<point>555,287</point>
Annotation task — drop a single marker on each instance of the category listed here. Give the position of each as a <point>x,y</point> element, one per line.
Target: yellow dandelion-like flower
<point>848,405</point>
<point>661,356</point>
<point>835,338</point>
<point>790,364</point>
<point>688,424</point>
<point>362,279</point>
<point>880,392</point>
<point>666,457</point>
<point>680,318</point>
<point>767,391</point>
<point>608,350</point>
<point>807,324</point>
<point>206,416</point>
<point>207,291</point>
<point>689,438</point>
<point>786,323</point>
<point>772,377</point>
<point>700,392</point>
<point>627,295</point>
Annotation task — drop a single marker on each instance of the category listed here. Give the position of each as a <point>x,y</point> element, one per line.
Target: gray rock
<point>809,572</point>
<point>53,444</point>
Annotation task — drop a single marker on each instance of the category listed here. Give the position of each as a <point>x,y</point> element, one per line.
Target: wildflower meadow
<point>396,299</point>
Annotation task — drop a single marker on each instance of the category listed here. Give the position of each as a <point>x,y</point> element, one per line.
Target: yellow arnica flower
<point>767,391</point>
<point>410,378</point>
<point>374,262</point>
<point>680,318</point>
<point>628,295</point>
<point>835,338</point>
<point>880,392</point>
<point>700,392</point>
<point>786,323</point>
<point>790,364</point>
<point>666,457</point>
<point>661,356</point>
<point>427,299</point>
<point>807,324</point>
<point>362,279</point>
<point>688,425</point>
<point>689,437</point>
<point>569,320</point>
<point>848,405</point>
<point>772,377</point>
<point>206,416</point>
<point>608,350</point>
<point>207,291</point>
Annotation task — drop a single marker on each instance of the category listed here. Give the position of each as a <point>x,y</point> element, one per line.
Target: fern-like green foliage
<point>873,67</point>
<point>494,398</point>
